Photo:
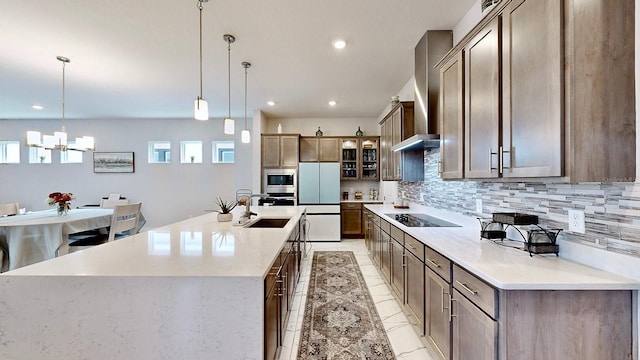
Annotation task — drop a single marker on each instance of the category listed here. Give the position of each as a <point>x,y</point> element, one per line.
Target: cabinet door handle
<point>442,298</point>
<point>440,167</point>
<point>451,314</point>
<point>433,263</point>
<point>411,246</point>
<point>464,286</point>
<point>502,152</point>
<point>491,153</point>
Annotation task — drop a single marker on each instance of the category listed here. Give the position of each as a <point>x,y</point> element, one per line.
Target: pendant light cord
<point>245,96</point>
<point>229,74</point>
<point>64,129</point>
<point>200,8</point>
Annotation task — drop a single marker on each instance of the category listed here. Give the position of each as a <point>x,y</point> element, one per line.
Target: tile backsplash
<point>612,210</point>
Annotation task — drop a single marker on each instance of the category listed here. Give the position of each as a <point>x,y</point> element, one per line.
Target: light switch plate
<point>576,221</point>
<point>422,196</point>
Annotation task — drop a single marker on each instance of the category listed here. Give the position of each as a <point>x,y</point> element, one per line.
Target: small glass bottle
<point>319,132</point>
<point>279,128</point>
<point>359,132</point>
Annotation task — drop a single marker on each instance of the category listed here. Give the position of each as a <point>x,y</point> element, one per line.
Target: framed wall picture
<point>113,162</point>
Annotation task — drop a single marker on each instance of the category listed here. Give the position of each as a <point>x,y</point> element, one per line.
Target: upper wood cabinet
<point>545,83</point>
<point>319,149</point>
<point>482,102</point>
<point>395,127</point>
<point>280,150</point>
<point>532,95</point>
<point>452,119</point>
<point>359,158</point>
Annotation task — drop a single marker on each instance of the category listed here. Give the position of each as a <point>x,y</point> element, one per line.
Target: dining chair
<point>9,209</point>
<point>110,203</point>
<point>124,222</point>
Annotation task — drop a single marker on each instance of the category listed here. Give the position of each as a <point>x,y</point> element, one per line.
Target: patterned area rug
<point>340,318</point>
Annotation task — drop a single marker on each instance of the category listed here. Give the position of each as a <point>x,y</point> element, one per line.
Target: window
<point>191,152</point>
<point>71,156</point>
<point>9,152</point>
<point>159,152</point>
<point>223,152</point>
<point>39,156</point>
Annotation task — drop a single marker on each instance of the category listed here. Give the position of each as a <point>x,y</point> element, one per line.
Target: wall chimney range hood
<point>418,142</point>
<point>433,45</point>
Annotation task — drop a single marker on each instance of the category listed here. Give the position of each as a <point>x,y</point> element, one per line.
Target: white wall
<point>329,126</point>
<point>169,192</point>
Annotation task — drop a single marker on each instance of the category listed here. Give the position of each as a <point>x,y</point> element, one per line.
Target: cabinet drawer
<point>438,263</point>
<point>414,246</point>
<point>385,226</point>
<point>376,219</point>
<point>397,234</point>
<point>353,206</point>
<point>480,293</point>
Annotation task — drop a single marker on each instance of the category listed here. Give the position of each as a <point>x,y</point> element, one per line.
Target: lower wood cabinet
<point>438,313</point>
<point>466,318</point>
<point>475,334</point>
<point>351,220</point>
<point>279,285</point>
<point>396,250</point>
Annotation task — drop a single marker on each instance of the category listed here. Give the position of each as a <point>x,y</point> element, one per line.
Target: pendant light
<point>229,124</point>
<point>246,134</point>
<point>201,108</point>
<point>58,141</point>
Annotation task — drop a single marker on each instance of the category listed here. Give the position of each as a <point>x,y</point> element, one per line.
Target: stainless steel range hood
<point>418,142</point>
<point>433,45</point>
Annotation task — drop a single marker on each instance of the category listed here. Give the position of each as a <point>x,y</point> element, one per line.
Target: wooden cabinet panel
<point>329,150</point>
<point>397,126</point>
<point>414,246</point>
<point>532,71</point>
<point>452,119</point>
<point>385,255</point>
<point>438,263</point>
<point>476,290</point>
<point>482,100</point>
<point>414,288</point>
<point>351,220</point>
<point>271,321</point>
<point>289,151</point>
<point>437,324</point>
<point>319,149</point>
<point>396,252</point>
<point>280,151</point>
<point>396,137</point>
<point>376,243</point>
<point>309,149</point>
<point>475,335</point>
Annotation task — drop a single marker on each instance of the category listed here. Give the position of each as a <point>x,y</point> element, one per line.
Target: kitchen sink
<point>268,223</point>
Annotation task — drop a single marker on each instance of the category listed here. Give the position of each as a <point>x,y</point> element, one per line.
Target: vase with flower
<point>61,201</point>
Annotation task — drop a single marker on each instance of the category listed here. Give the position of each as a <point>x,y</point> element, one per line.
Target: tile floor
<point>405,340</point>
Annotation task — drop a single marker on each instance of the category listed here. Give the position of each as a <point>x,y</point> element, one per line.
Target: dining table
<point>39,235</point>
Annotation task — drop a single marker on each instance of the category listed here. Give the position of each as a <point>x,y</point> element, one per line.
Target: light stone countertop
<point>503,267</point>
<point>200,246</point>
<point>362,201</point>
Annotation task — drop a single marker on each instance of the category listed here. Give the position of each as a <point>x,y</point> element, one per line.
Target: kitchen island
<point>474,298</point>
<point>193,289</point>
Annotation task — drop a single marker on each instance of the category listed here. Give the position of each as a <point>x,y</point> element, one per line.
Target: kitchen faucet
<point>247,202</point>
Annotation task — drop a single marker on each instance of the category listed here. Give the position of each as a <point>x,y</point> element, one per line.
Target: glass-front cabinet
<point>369,154</point>
<point>349,159</point>
<point>359,158</point>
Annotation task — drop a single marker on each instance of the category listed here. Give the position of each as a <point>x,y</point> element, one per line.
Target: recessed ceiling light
<point>37,107</point>
<point>271,103</point>
<point>332,103</point>
<point>339,44</point>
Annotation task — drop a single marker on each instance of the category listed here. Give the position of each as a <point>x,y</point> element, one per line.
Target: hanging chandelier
<point>229,124</point>
<point>246,134</point>
<point>58,141</point>
<point>201,108</point>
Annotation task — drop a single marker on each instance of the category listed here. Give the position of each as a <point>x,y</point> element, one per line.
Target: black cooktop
<point>420,220</point>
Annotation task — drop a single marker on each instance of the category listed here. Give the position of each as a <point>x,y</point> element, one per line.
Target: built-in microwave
<point>280,181</point>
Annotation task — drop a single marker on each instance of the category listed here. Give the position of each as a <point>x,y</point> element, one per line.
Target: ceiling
<point>140,59</point>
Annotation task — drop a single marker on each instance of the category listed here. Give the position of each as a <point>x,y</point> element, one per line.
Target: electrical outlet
<point>403,196</point>
<point>422,196</point>
<point>576,221</point>
<point>479,206</point>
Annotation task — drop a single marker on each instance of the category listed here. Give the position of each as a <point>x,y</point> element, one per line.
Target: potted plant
<point>224,214</point>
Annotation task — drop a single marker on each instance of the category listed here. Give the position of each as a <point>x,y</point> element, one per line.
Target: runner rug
<point>340,318</point>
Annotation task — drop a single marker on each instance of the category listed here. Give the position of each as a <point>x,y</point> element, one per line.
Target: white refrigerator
<point>319,191</point>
